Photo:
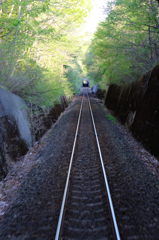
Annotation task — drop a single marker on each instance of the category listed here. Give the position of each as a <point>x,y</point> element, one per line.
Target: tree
<point>37,39</point>
<point>126,44</point>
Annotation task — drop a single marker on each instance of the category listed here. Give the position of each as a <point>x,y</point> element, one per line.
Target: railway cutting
<point>34,206</point>
<point>84,210</point>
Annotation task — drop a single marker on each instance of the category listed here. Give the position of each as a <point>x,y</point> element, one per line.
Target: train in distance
<point>85,83</point>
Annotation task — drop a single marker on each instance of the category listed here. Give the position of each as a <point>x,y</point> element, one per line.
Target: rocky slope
<point>137,105</point>
<point>21,124</point>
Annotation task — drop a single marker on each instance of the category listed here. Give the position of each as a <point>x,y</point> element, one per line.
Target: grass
<point>111,118</point>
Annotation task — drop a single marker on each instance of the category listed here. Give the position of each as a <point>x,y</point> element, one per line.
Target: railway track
<point>87,209</point>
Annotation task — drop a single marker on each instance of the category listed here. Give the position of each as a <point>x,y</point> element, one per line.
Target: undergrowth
<point>111,118</point>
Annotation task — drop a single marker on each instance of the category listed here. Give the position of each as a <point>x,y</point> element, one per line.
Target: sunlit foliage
<point>37,39</point>
<point>126,44</point>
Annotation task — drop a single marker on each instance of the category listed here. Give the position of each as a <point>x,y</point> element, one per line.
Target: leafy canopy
<point>126,44</point>
<point>37,39</point>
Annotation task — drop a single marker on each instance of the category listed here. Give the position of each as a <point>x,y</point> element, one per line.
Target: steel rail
<point>68,177</point>
<point>105,177</point>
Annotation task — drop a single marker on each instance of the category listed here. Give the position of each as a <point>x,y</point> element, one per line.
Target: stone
<point>15,132</point>
<point>95,88</point>
<point>18,131</point>
<point>137,105</point>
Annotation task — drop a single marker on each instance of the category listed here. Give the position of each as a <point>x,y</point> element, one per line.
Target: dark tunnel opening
<point>85,83</point>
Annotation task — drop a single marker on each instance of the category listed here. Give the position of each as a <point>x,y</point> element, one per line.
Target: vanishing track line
<point>87,209</point>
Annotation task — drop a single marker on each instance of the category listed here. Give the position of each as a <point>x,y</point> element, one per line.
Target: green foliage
<point>111,118</point>
<point>126,44</point>
<point>94,70</point>
<point>37,39</point>
<point>74,76</point>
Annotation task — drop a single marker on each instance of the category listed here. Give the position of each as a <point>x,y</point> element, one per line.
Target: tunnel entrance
<point>85,83</point>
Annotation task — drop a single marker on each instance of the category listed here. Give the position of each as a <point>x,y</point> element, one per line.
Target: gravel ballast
<point>33,211</point>
<point>133,187</point>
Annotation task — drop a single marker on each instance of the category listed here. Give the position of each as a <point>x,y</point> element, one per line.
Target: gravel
<point>34,209</point>
<point>87,211</point>
<point>134,188</point>
<point>34,212</point>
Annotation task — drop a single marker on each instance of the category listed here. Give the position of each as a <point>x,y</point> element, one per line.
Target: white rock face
<point>15,132</point>
<point>95,88</point>
<point>16,136</point>
<point>15,107</point>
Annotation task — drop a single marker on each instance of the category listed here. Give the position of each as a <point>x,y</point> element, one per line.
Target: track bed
<point>87,212</point>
